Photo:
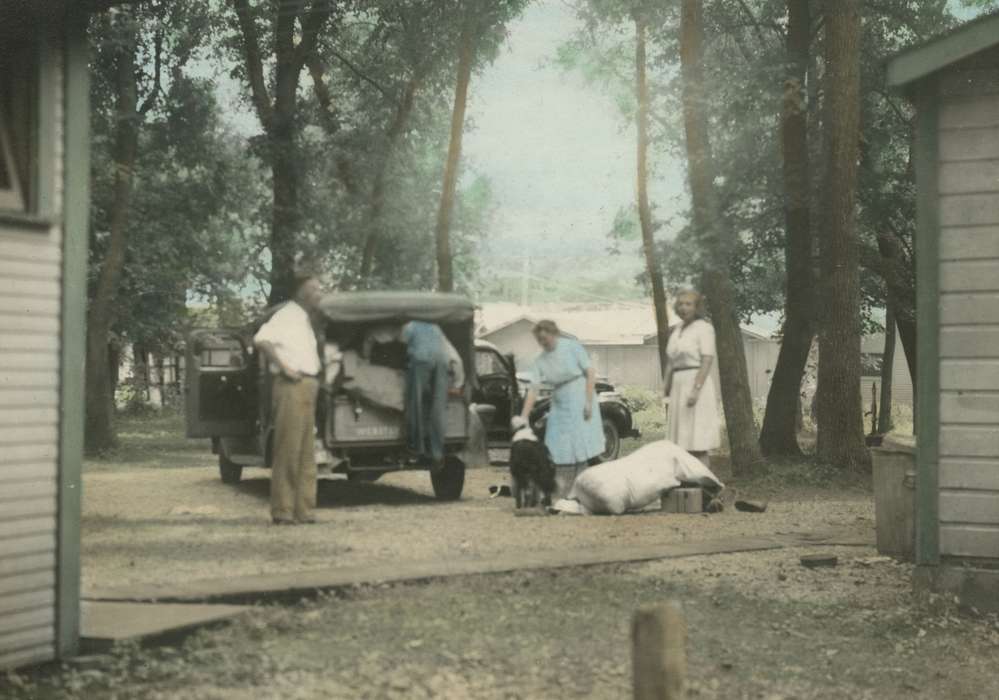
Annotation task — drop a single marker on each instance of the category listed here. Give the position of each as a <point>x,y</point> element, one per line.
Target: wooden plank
<point>968,375</point>
<point>26,572</point>
<point>27,600</point>
<point>39,360</point>
<point>978,507</point>
<point>73,327</point>
<point>969,541</point>
<point>926,157</point>
<point>15,491</point>
<point>31,544</point>
<point>28,656</point>
<point>29,246</point>
<point>29,306</point>
<point>29,619</point>
<point>22,527</point>
<point>39,289</point>
<point>29,270</point>
<point>969,441</point>
<point>981,474</point>
<point>28,470</point>
<point>21,435</point>
<point>971,243</point>
<point>28,507</point>
<point>24,416</point>
<point>20,398</point>
<point>958,342</point>
<point>12,341</point>
<point>978,112</point>
<point>970,83</point>
<point>28,452</point>
<point>970,276</point>
<point>921,61</point>
<point>23,637</point>
<point>22,379</point>
<point>970,209</point>
<point>969,407</point>
<point>964,145</point>
<point>18,323</point>
<point>969,177</point>
<point>968,308</point>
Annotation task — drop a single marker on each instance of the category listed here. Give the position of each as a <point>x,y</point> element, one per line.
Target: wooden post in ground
<point>659,653</point>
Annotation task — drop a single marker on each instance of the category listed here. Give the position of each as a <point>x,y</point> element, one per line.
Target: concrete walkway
<point>304,583</point>
<point>104,623</point>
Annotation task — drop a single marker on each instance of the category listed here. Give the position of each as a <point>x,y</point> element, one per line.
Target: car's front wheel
<point>450,480</point>
<point>230,471</point>
<point>612,441</point>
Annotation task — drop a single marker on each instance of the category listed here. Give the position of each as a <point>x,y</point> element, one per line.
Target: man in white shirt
<point>290,344</point>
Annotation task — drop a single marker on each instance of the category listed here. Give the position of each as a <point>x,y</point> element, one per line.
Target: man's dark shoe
<point>306,521</point>
<point>283,521</point>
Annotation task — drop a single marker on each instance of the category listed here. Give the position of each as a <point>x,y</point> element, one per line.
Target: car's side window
<point>488,363</point>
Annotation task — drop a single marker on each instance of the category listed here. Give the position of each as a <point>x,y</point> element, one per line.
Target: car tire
<point>612,441</point>
<point>450,480</point>
<point>230,472</point>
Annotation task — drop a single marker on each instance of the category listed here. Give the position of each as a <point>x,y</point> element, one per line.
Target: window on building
<point>870,364</point>
<point>18,143</point>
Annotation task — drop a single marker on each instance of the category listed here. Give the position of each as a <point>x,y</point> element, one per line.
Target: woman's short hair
<point>700,307</point>
<point>546,326</point>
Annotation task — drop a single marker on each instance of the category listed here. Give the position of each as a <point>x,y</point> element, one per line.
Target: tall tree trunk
<point>887,371</point>
<point>840,411</point>
<point>283,138</point>
<point>652,266</point>
<point>717,283</point>
<point>396,129</point>
<point>779,434</point>
<point>100,434</point>
<point>466,57</point>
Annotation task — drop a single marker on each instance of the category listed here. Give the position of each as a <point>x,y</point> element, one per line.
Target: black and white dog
<point>532,474</point>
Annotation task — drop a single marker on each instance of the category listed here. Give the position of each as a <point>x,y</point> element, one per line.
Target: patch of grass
<point>153,440</point>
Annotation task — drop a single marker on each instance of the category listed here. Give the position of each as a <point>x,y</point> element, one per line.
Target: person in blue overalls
<point>431,362</point>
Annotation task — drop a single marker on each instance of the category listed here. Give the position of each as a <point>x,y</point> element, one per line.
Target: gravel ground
<point>143,525</point>
<point>759,626</point>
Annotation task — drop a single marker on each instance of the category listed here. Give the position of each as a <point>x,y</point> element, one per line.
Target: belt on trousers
<point>685,369</point>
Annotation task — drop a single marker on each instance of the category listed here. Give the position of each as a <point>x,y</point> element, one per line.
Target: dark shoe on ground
<point>307,520</point>
<point>283,521</point>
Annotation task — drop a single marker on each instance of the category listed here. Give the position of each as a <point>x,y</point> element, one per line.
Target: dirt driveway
<point>161,515</point>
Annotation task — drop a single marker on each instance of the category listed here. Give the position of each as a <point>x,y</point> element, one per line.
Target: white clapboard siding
<point>977,113</point>
<point>981,209</point>
<point>971,308</point>
<point>971,243</point>
<point>963,342</point>
<point>969,276</point>
<point>976,473</point>
<point>969,407</point>
<point>977,507</point>
<point>970,144</point>
<point>30,309</point>
<point>970,374</point>
<point>966,540</point>
<point>960,177</point>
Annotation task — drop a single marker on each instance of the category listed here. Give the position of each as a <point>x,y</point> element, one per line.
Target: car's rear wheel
<point>230,472</point>
<point>612,441</point>
<point>450,480</point>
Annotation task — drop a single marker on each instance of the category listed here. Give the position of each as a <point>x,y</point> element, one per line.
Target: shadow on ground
<point>340,493</point>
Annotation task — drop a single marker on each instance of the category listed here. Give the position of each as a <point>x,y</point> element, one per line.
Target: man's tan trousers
<point>293,463</point>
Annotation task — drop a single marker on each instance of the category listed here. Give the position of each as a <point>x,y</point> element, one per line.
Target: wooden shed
<point>44,204</point>
<point>953,81</point>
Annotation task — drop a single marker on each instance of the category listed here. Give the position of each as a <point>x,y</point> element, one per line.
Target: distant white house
<point>620,338</point>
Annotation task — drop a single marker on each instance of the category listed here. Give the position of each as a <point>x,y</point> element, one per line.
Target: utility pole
<point>525,282</point>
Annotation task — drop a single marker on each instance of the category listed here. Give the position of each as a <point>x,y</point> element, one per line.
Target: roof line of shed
<point>930,56</point>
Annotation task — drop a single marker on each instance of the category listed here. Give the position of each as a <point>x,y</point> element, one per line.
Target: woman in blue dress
<point>574,434</point>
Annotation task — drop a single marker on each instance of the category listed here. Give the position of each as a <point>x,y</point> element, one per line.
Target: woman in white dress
<point>692,420</point>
